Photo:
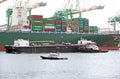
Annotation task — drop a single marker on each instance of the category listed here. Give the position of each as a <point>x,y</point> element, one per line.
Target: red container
<point>58,21</point>
<point>86,31</point>
<point>36,17</point>
<point>37,24</point>
<point>64,23</point>
<point>49,30</point>
<point>49,21</point>
<point>81,28</point>
<point>26,26</point>
<point>92,31</point>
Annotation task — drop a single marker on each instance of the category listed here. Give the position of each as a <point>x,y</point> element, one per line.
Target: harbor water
<point>78,66</point>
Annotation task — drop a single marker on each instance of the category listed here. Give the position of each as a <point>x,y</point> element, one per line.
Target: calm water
<point>78,66</point>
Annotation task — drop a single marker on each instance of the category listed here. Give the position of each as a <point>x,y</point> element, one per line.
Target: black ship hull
<point>43,49</point>
<point>53,58</point>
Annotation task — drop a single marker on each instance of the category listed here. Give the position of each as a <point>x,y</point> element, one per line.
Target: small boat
<point>54,56</point>
<point>89,46</point>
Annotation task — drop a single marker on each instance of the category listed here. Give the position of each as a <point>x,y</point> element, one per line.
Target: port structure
<point>17,15</point>
<point>68,10</point>
<point>114,20</point>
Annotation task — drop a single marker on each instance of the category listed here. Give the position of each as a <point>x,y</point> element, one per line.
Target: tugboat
<point>54,56</point>
<point>89,46</point>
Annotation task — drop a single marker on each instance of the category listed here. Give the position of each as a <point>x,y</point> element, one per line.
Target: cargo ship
<point>57,29</point>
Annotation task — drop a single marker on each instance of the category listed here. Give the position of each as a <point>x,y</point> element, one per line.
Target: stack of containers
<point>74,25</point>
<point>81,25</point>
<point>64,25</point>
<point>58,24</point>
<point>37,22</point>
<point>86,25</point>
<point>49,24</point>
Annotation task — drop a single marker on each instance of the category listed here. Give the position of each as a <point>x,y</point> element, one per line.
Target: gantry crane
<point>68,10</point>
<point>114,20</point>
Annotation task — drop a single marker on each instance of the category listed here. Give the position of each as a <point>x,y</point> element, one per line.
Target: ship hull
<point>106,42</point>
<point>42,49</point>
<point>53,58</point>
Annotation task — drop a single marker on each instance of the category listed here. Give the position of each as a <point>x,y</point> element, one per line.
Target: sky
<point>96,17</point>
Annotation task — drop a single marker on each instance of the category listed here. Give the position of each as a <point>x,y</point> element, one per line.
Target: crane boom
<point>37,5</point>
<point>89,9</point>
<point>2,1</point>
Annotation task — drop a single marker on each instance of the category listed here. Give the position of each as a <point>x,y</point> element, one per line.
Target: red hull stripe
<point>2,48</point>
<point>108,47</point>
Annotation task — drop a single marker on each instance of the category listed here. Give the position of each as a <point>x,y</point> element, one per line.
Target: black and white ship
<point>23,46</point>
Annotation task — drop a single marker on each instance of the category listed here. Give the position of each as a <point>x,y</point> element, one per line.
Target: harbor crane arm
<point>1,1</point>
<point>89,9</point>
<point>36,5</point>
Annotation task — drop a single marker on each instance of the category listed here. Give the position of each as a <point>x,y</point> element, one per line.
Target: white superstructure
<point>21,43</point>
<point>19,13</point>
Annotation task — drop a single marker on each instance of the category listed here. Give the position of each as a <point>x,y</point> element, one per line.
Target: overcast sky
<point>96,18</point>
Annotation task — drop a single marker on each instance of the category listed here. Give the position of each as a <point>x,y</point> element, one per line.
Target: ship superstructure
<point>17,15</point>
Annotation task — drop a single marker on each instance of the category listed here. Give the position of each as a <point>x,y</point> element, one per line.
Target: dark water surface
<point>78,66</point>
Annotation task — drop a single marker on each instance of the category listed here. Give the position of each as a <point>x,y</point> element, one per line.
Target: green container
<point>37,21</point>
<point>49,24</point>
<point>58,30</point>
<point>80,26</point>
<point>37,28</point>
<point>95,31</point>
<point>91,28</point>
<point>81,31</point>
<point>95,28</point>
<point>86,28</point>
<point>85,19</point>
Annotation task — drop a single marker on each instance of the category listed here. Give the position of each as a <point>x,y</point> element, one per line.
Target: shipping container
<point>81,31</point>
<point>64,22</point>
<point>49,24</point>
<point>49,18</point>
<point>58,26</point>
<point>37,28</point>
<point>58,21</point>
<point>26,26</point>
<point>37,24</point>
<point>64,29</point>
<point>49,21</point>
<point>49,29</point>
<point>37,21</point>
<point>81,28</point>
<point>35,17</point>
<point>86,28</point>
<point>58,30</point>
